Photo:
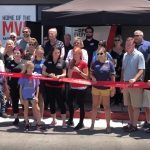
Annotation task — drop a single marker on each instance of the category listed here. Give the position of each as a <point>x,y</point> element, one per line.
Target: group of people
<point>89,59</point>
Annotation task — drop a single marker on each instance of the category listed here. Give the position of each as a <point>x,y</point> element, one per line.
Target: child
<point>29,90</point>
<point>38,64</point>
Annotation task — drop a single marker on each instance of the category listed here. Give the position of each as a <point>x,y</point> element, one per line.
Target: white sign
<point>100,32</point>
<point>13,18</point>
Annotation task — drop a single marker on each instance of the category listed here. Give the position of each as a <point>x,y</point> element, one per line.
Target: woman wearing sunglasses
<point>102,70</point>
<point>117,53</point>
<point>102,43</point>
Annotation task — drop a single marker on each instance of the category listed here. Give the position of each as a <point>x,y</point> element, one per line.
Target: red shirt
<point>81,65</point>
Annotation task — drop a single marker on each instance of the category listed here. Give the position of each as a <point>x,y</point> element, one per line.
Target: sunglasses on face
<point>12,37</point>
<point>31,45</point>
<point>24,31</point>
<point>100,44</point>
<point>117,40</point>
<point>99,54</point>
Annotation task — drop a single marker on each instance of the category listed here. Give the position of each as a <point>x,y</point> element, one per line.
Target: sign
<point>13,18</point>
<point>100,32</point>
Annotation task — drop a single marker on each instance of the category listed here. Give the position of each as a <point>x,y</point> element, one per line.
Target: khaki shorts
<point>146,98</point>
<point>133,97</point>
<point>100,92</point>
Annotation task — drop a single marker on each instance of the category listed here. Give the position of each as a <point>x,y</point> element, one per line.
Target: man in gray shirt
<point>24,42</point>
<point>132,70</point>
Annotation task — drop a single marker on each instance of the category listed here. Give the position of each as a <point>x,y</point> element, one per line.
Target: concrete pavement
<point>67,139</point>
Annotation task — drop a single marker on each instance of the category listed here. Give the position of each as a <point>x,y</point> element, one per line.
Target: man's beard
<point>27,35</point>
<point>89,37</point>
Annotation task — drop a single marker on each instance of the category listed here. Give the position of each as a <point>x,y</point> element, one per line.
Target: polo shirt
<point>132,63</point>
<point>12,66</point>
<point>102,72</point>
<point>144,48</point>
<point>56,68</point>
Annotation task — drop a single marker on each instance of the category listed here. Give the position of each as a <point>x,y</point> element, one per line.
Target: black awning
<point>98,12</point>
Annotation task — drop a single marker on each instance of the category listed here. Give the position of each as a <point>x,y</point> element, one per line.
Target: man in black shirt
<point>53,42</point>
<point>68,46</point>
<point>90,44</point>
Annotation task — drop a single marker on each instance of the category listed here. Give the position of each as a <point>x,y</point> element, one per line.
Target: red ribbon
<point>80,81</point>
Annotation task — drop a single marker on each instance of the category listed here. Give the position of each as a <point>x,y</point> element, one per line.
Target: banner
<point>106,33</point>
<point>80,81</point>
<point>13,18</point>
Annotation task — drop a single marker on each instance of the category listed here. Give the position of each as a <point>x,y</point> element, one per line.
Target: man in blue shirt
<point>133,66</point>
<point>144,47</point>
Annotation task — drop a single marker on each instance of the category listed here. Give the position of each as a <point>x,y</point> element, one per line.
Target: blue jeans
<point>3,103</point>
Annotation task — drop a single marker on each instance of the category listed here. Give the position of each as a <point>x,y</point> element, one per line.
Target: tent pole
<point>42,42</point>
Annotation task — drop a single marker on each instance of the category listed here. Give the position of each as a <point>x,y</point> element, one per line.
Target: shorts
<point>133,97</point>
<point>146,98</point>
<point>29,99</point>
<point>100,92</point>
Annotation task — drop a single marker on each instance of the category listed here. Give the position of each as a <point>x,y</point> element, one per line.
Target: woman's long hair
<point>50,56</point>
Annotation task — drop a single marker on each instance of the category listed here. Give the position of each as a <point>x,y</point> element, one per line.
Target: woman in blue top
<point>102,43</point>
<point>102,70</point>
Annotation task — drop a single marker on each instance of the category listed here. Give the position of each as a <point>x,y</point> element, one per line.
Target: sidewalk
<point>118,112</point>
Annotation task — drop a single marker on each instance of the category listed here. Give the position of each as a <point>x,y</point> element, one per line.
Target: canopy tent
<point>98,12</point>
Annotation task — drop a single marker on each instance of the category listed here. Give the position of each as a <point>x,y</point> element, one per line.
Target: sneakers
<point>27,127</point>
<point>41,127</point>
<point>130,128</point>
<point>16,122</point>
<point>53,123</point>
<point>70,123</point>
<point>4,115</point>
<point>126,128</point>
<point>133,129</point>
<point>79,126</point>
<point>145,125</point>
<point>64,126</point>
<point>108,130</point>
<point>34,123</point>
<point>147,130</point>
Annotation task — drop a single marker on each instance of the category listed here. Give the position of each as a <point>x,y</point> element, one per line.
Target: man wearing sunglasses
<point>24,42</point>
<point>13,37</point>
